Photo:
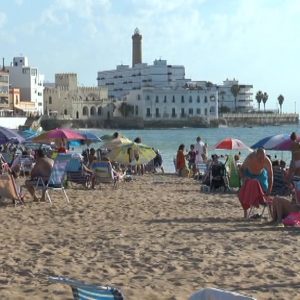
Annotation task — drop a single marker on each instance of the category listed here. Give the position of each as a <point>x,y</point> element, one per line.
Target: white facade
<point>125,79</point>
<point>244,99</point>
<point>28,80</point>
<point>173,104</point>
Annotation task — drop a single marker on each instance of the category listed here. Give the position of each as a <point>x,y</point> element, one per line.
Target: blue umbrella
<point>28,133</point>
<point>273,142</point>
<point>10,136</point>
<point>90,137</point>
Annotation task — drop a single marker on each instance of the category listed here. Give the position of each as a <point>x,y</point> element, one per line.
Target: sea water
<point>168,140</point>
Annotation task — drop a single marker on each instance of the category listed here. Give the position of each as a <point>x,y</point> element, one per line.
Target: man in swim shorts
<point>258,166</point>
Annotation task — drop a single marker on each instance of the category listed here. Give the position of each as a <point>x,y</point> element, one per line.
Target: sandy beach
<point>157,237</point>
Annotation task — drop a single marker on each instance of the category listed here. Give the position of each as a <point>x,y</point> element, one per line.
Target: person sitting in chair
<point>258,166</point>
<point>42,169</point>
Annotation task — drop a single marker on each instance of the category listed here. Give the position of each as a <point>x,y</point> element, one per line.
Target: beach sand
<point>157,237</point>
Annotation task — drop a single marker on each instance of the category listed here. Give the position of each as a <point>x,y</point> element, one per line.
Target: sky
<point>254,41</point>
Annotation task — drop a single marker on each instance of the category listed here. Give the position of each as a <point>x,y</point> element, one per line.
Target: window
<point>148,112</point>
<point>93,111</point>
<point>85,111</point>
<point>139,97</point>
<point>50,100</point>
<point>205,99</point>
<point>198,111</point>
<point>205,111</point>
<point>191,99</point>
<point>182,112</point>
<point>173,113</point>
<point>198,99</point>
<point>147,97</point>
<point>165,99</point>
<point>157,113</point>
<point>173,99</point>
<point>136,110</point>
<point>191,111</point>
<point>156,99</point>
<point>65,112</point>
<point>182,99</point>
<point>99,111</point>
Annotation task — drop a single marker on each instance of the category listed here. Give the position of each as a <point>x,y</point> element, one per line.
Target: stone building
<point>68,101</point>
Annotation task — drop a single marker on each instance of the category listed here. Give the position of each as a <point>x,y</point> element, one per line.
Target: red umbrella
<point>231,144</point>
<point>57,134</point>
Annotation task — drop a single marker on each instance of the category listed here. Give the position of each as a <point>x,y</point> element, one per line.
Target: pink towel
<point>251,194</point>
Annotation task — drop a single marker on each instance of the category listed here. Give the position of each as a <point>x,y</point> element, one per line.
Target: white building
<point>152,103</point>
<point>28,80</point>
<point>244,98</point>
<point>125,79</point>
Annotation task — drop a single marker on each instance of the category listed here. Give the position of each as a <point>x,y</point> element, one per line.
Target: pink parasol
<point>53,135</point>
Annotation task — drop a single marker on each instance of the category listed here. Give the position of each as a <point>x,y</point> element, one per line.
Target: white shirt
<point>199,149</point>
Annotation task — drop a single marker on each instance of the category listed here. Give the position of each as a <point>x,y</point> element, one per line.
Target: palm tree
<point>264,99</point>
<point>258,97</point>
<point>280,101</point>
<point>235,89</point>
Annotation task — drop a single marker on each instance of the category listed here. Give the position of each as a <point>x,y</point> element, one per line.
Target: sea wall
<point>234,120</point>
<point>258,119</point>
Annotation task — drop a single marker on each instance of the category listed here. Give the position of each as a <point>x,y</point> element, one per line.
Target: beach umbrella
<point>281,142</point>
<point>120,140</point>
<point>90,137</point>
<point>231,144</point>
<point>27,134</point>
<point>10,136</point>
<point>121,153</point>
<point>58,134</point>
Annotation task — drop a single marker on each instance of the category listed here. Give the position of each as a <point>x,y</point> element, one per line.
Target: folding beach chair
<point>76,173</point>
<point>9,189</point>
<point>56,179</point>
<point>251,196</point>
<point>104,172</point>
<point>296,184</point>
<point>83,291</point>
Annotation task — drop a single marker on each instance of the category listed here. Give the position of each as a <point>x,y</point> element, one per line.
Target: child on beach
<point>191,157</point>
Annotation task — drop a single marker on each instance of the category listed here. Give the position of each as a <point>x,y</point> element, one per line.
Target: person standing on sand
<point>199,149</point>
<point>181,167</point>
<point>294,169</point>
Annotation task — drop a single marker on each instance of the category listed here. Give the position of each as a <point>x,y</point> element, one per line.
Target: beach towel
<point>217,294</point>
<point>293,219</point>
<point>251,194</point>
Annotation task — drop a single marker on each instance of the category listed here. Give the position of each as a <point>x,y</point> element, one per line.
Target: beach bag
<point>293,219</point>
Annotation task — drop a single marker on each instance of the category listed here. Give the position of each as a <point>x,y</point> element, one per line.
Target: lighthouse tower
<point>136,47</point>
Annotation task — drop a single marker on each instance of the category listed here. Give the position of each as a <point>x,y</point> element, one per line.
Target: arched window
<point>99,111</point>
<point>85,111</point>
<point>93,111</point>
